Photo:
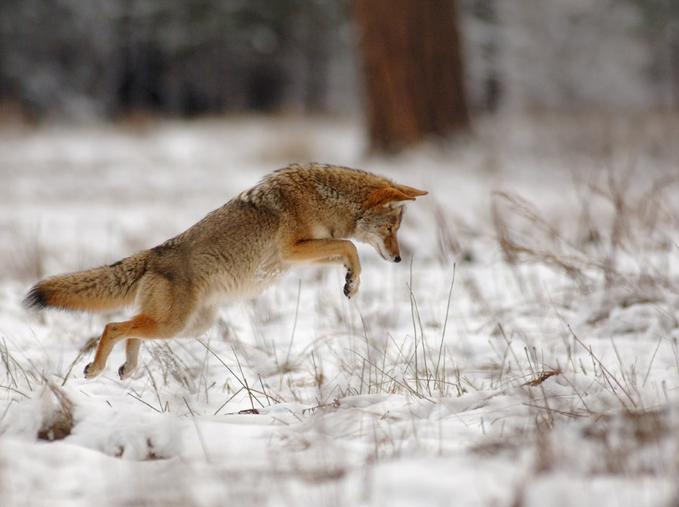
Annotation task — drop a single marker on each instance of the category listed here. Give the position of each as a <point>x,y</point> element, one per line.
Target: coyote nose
<point>397,258</point>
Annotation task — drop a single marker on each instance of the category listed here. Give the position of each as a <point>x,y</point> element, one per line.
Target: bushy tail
<point>103,288</point>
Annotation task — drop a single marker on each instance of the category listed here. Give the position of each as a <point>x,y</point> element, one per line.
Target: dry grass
<point>57,422</point>
<point>25,257</point>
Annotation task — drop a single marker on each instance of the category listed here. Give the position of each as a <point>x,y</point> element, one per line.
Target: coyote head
<point>382,213</point>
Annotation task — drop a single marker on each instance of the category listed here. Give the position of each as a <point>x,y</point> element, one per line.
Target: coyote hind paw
<point>91,371</point>
<point>126,371</point>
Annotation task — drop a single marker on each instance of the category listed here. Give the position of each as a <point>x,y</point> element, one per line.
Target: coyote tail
<point>103,288</point>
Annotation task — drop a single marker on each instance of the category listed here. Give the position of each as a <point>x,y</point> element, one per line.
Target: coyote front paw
<point>351,285</point>
<point>91,371</point>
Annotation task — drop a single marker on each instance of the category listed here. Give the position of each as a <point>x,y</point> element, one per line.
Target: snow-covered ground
<point>524,354</point>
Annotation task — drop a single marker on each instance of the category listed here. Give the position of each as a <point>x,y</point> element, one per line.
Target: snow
<point>550,381</point>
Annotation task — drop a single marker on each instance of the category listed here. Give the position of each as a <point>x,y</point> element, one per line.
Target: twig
<point>294,324</point>
<point>445,324</point>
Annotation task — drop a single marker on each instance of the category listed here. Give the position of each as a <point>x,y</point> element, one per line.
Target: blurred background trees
<point>106,59</point>
<point>179,57</point>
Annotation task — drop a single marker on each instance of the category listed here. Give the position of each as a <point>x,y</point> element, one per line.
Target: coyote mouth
<point>381,250</point>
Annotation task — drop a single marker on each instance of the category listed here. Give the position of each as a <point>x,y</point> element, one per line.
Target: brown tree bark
<point>413,71</point>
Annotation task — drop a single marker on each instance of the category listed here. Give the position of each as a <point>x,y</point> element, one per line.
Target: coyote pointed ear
<point>385,195</point>
<point>410,191</point>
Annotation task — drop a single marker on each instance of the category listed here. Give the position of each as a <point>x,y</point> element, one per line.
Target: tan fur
<point>103,288</point>
<point>303,213</point>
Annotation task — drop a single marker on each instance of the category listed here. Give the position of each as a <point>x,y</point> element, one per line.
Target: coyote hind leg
<point>165,311</point>
<point>141,325</point>
<point>202,321</point>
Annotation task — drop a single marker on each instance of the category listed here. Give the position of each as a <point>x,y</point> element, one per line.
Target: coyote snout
<point>303,213</point>
<point>388,247</point>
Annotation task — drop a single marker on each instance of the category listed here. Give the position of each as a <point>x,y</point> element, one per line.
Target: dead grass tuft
<point>58,423</point>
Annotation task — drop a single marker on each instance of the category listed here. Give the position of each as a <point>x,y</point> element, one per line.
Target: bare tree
<point>413,70</point>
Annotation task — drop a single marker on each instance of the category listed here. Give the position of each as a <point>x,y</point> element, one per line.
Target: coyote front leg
<point>329,250</point>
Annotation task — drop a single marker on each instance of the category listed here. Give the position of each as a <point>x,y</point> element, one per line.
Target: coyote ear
<point>410,191</point>
<point>385,195</point>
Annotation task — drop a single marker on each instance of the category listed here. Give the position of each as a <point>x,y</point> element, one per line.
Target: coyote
<point>302,213</point>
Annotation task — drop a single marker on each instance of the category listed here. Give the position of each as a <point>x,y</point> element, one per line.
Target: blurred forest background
<point>427,66</point>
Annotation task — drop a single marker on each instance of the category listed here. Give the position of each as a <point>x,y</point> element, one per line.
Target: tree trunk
<point>413,71</point>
